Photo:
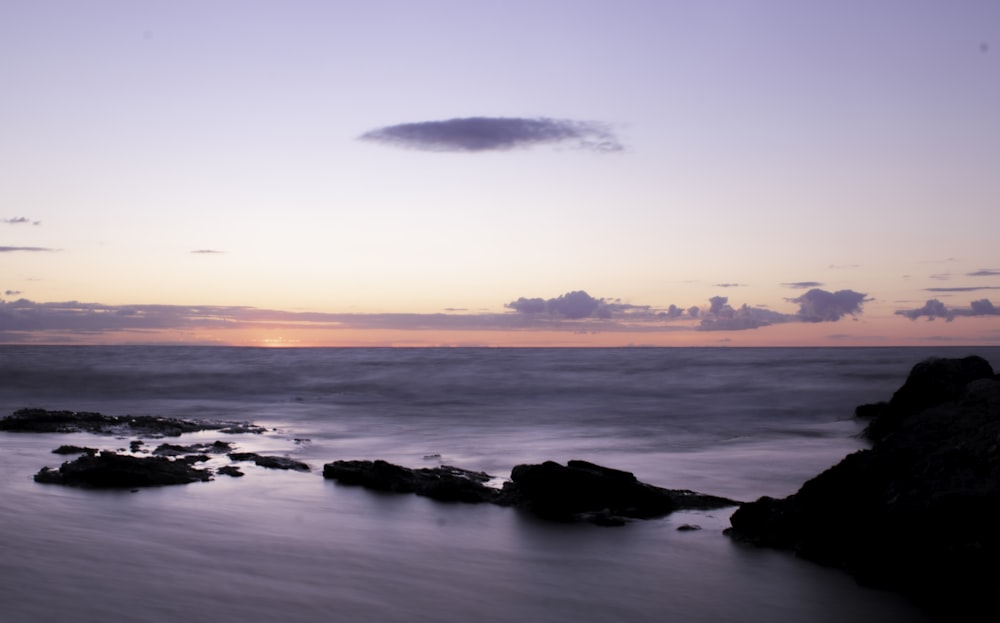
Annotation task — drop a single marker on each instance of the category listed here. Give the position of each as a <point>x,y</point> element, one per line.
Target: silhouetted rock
<point>230,470</point>
<point>931,382</point>
<point>170,449</point>
<point>45,421</point>
<point>445,483</point>
<point>271,462</point>
<point>582,491</point>
<point>64,449</point>
<point>579,491</point>
<point>109,470</point>
<point>916,513</point>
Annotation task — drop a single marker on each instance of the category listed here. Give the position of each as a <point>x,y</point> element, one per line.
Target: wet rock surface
<point>577,492</point>
<point>918,512</point>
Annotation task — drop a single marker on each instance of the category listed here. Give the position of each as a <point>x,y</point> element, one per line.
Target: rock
<point>931,382</point>
<point>271,462</point>
<point>109,470</point>
<point>230,470</point>
<point>445,483</point>
<point>582,491</point>
<point>44,421</point>
<point>687,527</point>
<point>170,449</point>
<point>64,449</point>
<point>918,512</point>
<point>579,491</point>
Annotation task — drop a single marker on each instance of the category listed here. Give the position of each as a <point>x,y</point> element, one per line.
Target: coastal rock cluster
<point>918,512</point>
<point>576,492</point>
<point>167,464</point>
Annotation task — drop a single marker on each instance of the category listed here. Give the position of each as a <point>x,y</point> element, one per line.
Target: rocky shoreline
<point>918,512</point>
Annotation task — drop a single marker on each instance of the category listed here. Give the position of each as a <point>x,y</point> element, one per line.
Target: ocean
<point>291,546</point>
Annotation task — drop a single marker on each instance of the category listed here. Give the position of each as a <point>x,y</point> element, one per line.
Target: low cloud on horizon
<point>475,134</point>
<point>934,308</point>
<point>24,320</point>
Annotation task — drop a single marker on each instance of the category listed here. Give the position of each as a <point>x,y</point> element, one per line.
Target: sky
<point>519,173</point>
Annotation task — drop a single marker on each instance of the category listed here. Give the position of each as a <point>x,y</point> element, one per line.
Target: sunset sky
<point>530,173</point>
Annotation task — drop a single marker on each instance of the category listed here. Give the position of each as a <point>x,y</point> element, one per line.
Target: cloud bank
<point>474,134</point>
<point>936,309</point>
<point>23,320</point>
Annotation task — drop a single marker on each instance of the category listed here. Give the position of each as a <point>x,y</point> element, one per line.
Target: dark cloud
<point>802,285</point>
<point>19,220</point>
<point>936,309</point>
<point>821,306</point>
<point>494,134</point>
<point>985,272</point>
<point>206,251</point>
<point>572,305</point>
<point>673,312</point>
<point>26,249</point>
<point>932,309</point>
<point>721,316</point>
<point>962,289</point>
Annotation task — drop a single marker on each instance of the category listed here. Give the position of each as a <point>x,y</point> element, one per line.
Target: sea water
<point>294,547</point>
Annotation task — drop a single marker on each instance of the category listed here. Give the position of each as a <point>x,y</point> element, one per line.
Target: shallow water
<point>739,423</point>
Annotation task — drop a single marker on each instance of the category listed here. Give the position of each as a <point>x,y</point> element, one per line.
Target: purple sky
<point>829,169</point>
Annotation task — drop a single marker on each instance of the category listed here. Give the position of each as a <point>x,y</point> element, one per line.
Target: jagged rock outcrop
<point>109,470</point>
<point>445,483</point>
<point>918,512</point>
<point>579,491</point>
<point>583,491</point>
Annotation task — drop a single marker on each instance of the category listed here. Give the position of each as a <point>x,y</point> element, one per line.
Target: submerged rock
<point>579,491</point>
<point>45,421</point>
<point>109,470</point>
<point>916,513</point>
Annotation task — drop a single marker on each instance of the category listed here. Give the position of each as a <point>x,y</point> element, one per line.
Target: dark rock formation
<point>931,382</point>
<point>579,491</point>
<point>109,470</point>
<point>582,491</point>
<point>445,483</point>
<point>171,449</point>
<point>44,421</point>
<point>917,513</point>
<point>271,462</point>
<point>65,449</point>
<point>230,470</point>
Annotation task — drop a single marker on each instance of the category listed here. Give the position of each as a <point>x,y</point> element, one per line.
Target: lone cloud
<point>471,134</point>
